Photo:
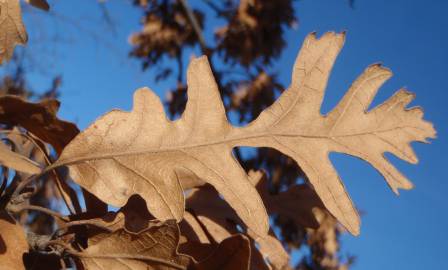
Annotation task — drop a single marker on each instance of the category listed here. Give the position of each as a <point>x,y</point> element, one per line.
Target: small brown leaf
<point>12,30</point>
<point>232,253</point>
<point>21,144</point>
<point>220,221</point>
<point>155,248</point>
<point>39,119</point>
<point>16,161</point>
<point>13,243</point>
<point>192,230</point>
<point>137,216</point>
<point>296,203</point>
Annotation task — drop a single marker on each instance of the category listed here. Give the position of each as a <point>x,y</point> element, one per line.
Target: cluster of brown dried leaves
<point>197,208</point>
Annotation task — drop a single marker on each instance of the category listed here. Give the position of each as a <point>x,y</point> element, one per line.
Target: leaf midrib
<point>232,141</point>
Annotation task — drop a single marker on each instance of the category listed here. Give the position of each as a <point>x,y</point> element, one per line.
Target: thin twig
<point>196,27</point>
<point>204,48</point>
<point>72,207</point>
<point>26,182</point>
<point>180,68</point>
<point>107,17</point>
<point>5,175</point>
<point>18,209</point>
<point>86,222</point>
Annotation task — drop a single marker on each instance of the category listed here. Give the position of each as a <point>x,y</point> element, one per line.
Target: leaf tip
<point>356,232</point>
<point>353,225</point>
<point>339,38</point>
<point>196,64</point>
<point>432,132</point>
<point>328,35</point>
<point>379,69</point>
<point>408,185</point>
<point>145,98</point>
<point>312,35</point>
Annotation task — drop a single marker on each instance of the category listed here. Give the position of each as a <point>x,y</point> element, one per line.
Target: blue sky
<point>408,36</point>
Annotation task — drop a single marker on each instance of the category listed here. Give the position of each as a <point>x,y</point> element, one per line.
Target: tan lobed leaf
<point>42,4</point>
<point>154,248</point>
<point>12,30</point>
<point>16,161</point>
<point>39,119</point>
<point>13,243</point>
<point>142,152</point>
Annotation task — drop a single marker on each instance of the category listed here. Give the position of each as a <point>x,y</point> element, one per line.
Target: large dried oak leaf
<point>142,152</point>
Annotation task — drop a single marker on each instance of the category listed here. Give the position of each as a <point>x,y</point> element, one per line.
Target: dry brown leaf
<point>296,203</point>
<point>232,253</point>
<point>192,230</point>
<point>39,119</point>
<point>13,243</point>
<point>42,4</point>
<point>16,161</point>
<point>220,221</point>
<point>155,248</point>
<point>21,144</point>
<point>12,30</point>
<point>142,152</point>
<point>214,213</point>
<point>273,251</point>
<point>201,237</point>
